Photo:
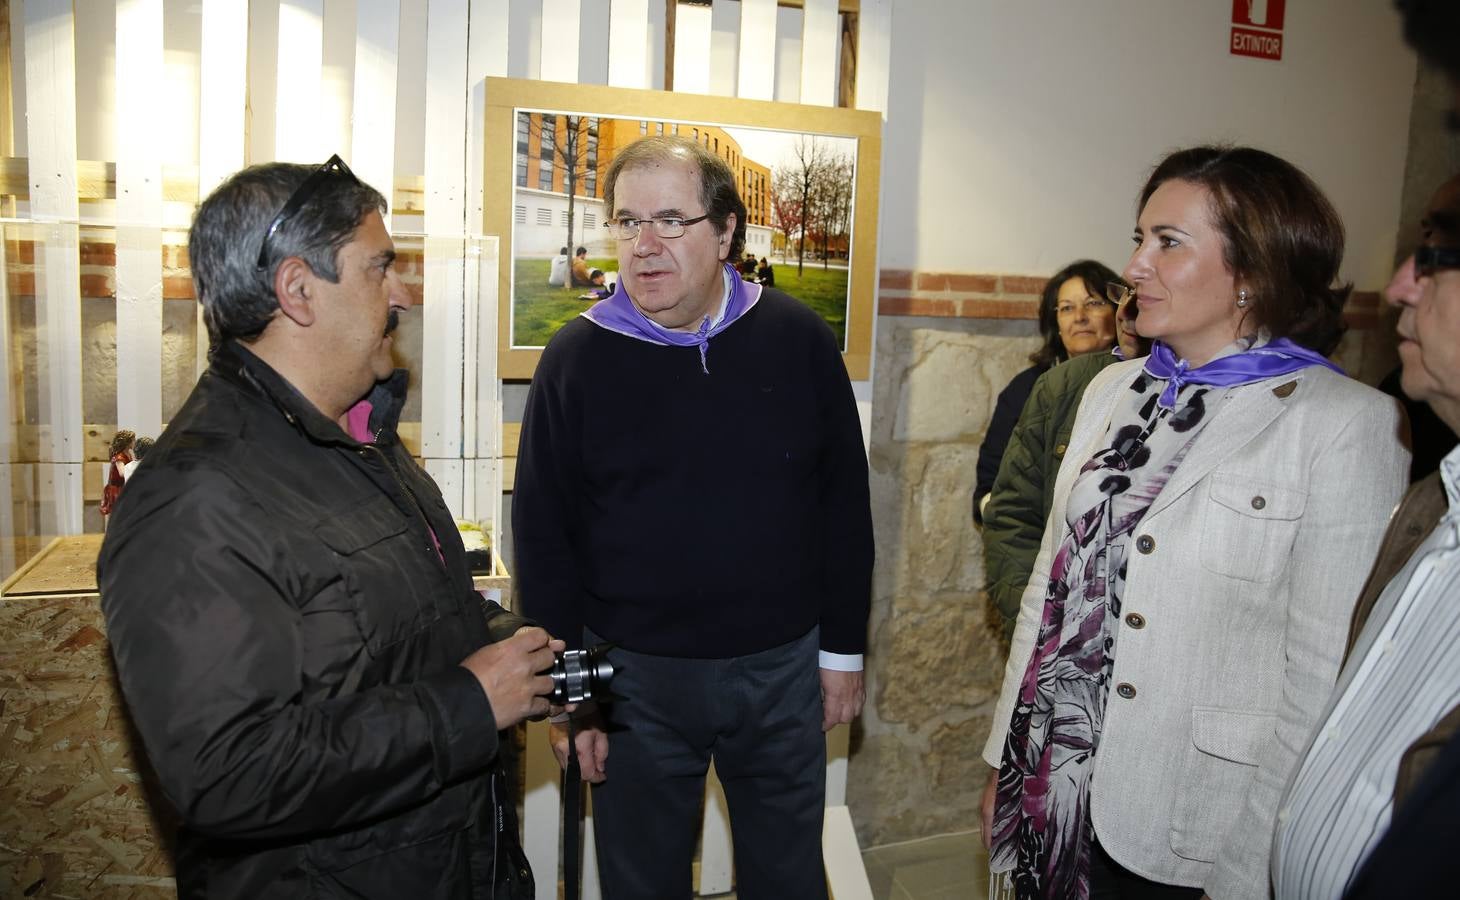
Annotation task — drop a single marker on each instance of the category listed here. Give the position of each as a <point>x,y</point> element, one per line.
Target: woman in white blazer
<point>1214,517</point>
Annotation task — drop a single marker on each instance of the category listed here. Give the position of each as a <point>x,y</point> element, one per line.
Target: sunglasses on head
<point>1429,260</point>
<point>334,167</point>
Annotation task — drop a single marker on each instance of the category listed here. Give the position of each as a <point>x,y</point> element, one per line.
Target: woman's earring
<point>1241,299</point>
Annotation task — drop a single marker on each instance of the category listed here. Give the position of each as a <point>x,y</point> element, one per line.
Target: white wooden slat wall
<point>300,66</point>
<point>50,85</point>
<point>628,44</point>
<point>372,143</point>
<point>222,109</point>
<point>692,43</point>
<point>757,57</point>
<point>442,395</point>
<point>561,20</point>
<point>486,56</point>
<point>820,30</point>
<point>11,475</point>
<point>139,82</point>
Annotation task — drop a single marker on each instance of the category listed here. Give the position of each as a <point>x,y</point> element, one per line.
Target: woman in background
<point>1019,503</point>
<point>1074,318</point>
<point>1214,518</point>
<point>120,454</point>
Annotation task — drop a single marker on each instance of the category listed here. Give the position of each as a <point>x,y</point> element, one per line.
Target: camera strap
<point>572,817</point>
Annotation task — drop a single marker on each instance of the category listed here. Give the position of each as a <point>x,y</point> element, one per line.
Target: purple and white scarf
<point>619,314</point>
<point>1275,357</point>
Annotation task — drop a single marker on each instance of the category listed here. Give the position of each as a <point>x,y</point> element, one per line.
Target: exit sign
<point>1257,28</point>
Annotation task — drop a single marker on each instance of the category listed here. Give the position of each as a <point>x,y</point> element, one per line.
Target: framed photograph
<point>807,174</point>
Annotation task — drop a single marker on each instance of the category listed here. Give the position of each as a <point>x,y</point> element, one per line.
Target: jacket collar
<point>235,363</point>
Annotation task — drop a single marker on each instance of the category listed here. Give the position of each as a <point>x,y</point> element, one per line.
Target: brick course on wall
<point>969,295</point>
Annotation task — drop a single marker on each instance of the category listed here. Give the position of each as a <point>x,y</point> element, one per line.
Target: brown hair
<point>1282,238</point>
<point>122,440</point>
<point>717,181</point>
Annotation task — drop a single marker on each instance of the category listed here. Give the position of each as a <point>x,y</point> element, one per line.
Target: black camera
<point>581,675</point>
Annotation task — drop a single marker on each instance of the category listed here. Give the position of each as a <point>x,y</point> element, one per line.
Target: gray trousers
<point>759,718</point>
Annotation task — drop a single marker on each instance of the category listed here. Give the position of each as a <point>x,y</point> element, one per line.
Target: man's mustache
<point>392,321</point>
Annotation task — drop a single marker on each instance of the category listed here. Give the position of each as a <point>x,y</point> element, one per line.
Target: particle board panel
<point>73,785</point>
<point>66,566</point>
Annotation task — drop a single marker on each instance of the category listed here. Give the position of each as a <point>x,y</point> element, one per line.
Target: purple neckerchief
<point>619,314</point>
<point>1276,357</point>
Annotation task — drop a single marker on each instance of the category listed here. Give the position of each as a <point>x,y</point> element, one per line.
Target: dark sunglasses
<point>333,168</point>
<point>1429,260</point>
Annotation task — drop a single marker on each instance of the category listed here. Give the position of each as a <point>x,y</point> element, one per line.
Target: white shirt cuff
<point>840,662</point>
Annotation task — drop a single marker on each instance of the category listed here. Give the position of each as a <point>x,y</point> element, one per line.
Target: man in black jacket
<point>314,680</point>
<point>692,486</point>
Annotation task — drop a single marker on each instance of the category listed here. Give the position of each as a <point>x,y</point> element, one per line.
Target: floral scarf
<point>1042,827</point>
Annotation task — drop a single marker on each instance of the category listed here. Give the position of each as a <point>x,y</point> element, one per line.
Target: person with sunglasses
<point>1371,808</point>
<point>1213,519</point>
<point>316,684</point>
<point>692,487</point>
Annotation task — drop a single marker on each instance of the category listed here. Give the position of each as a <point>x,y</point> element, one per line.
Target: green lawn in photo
<point>539,310</point>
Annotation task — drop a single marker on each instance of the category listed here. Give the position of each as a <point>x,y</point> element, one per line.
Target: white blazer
<point>1239,586</point>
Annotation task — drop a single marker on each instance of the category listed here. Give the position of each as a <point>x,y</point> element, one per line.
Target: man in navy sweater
<point>692,487</point>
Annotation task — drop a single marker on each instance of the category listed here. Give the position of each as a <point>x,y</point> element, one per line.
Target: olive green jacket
<point>1013,521</point>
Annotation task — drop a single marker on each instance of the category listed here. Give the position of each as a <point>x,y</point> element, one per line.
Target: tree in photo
<point>568,145</point>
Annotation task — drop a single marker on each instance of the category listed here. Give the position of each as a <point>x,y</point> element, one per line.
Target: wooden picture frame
<point>860,132</point>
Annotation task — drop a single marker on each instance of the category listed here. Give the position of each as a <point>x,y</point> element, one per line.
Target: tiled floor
<point>948,867</point>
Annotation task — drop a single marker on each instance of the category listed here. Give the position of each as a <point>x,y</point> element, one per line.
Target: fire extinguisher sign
<point>1257,28</point>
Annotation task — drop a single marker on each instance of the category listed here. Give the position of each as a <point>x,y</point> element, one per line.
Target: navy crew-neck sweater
<point>692,514</point>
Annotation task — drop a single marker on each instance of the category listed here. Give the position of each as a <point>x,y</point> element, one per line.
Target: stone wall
<point>935,655</point>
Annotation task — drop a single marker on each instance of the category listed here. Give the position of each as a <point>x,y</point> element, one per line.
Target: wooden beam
<point>671,7</point>
<point>96,180</point>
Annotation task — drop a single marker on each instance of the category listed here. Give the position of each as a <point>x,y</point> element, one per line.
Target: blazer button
<point>1059,450</point>
<point>1126,690</point>
<point>1135,620</point>
<point>1145,543</point>
<point>1258,502</point>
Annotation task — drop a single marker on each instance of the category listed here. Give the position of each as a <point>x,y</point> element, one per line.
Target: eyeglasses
<point>333,168</point>
<point>1118,293</point>
<point>627,229</point>
<point>1088,305</point>
<point>1429,260</point>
